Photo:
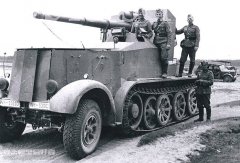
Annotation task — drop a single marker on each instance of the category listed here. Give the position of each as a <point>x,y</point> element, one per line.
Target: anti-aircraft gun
<point>80,89</point>
<point>105,25</point>
<point>118,27</point>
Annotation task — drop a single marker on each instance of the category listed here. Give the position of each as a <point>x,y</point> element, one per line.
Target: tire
<point>9,130</point>
<point>227,79</point>
<point>82,130</point>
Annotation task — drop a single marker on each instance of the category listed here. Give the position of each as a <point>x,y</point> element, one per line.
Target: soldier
<point>203,91</point>
<point>141,26</point>
<point>162,40</point>
<point>189,45</point>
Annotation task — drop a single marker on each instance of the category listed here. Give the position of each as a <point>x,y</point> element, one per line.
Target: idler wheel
<point>135,110</point>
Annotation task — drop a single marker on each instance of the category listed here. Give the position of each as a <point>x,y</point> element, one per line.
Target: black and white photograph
<point>119,81</point>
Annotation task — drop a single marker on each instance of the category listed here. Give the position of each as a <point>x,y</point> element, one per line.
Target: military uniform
<point>203,92</point>
<point>191,41</point>
<point>162,39</point>
<point>144,24</point>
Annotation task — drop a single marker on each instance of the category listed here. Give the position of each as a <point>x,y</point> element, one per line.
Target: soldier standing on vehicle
<point>203,91</point>
<point>189,45</point>
<point>141,26</point>
<point>162,40</point>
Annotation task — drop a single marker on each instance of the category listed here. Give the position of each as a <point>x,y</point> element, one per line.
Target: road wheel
<point>132,113</point>
<point>82,130</point>
<point>192,102</point>
<point>9,130</point>
<point>163,109</point>
<point>227,79</point>
<point>149,113</point>
<point>179,106</point>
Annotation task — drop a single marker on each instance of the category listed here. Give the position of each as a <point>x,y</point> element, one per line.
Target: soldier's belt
<point>193,38</point>
<point>159,35</point>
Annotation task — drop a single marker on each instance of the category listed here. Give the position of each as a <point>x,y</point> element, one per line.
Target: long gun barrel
<point>105,24</point>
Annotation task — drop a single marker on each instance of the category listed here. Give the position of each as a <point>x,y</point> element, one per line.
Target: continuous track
<point>145,91</point>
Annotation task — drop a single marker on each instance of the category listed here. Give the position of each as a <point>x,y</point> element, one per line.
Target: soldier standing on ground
<point>162,40</point>
<point>189,45</point>
<point>203,91</point>
<point>141,26</point>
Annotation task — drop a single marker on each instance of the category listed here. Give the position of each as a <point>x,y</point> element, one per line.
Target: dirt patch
<point>32,146</point>
<point>221,143</point>
<point>153,136</point>
<point>230,104</point>
<point>226,90</point>
<point>169,148</point>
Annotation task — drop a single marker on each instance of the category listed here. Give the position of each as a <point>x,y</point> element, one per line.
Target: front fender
<point>120,98</point>
<point>228,75</point>
<point>67,98</point>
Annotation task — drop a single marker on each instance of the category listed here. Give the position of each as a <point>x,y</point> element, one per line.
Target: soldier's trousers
<point>163,54</point>
<point>185,52</point>
<point>203,101</point>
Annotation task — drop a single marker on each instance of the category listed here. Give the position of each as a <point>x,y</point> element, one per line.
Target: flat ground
<point>217,141</point>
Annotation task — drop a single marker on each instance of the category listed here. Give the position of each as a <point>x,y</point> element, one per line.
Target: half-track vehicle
<point>83,89</point>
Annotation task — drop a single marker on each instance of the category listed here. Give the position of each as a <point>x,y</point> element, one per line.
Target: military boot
<point>164,69</point>
<point>179,75</point>
<point>191,66</point>
<point>201,112</point>
<point>164,75</point>
<point>198,120</point>
<point>208,120</point>
<point>181,67</point>
<point>208,110</point>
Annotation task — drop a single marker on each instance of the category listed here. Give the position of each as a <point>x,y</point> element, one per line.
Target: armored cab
<point>80,90</point>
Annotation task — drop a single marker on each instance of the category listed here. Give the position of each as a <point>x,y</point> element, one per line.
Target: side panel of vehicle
<point>102,66</point>
<point>143,63</point>
<point>32,68</point>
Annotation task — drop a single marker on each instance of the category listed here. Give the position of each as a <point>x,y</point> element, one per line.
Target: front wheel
<point>227,79</point>
<point>83,129</point>
<point>9,130</point>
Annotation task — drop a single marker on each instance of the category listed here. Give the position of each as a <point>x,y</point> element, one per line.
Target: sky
<point>218,21</point>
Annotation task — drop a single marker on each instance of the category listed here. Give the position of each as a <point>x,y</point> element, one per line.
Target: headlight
<point>85,76</point>
<point>52,86</point>
<point>3,84</point>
